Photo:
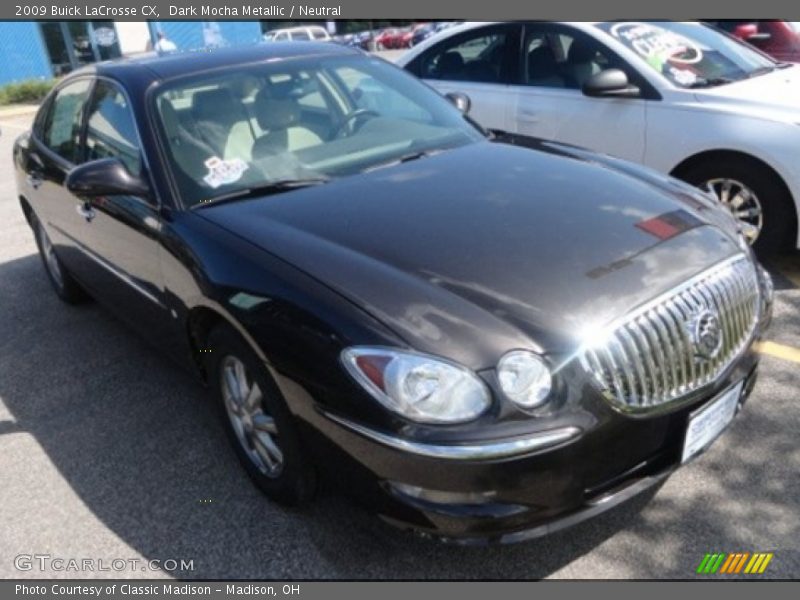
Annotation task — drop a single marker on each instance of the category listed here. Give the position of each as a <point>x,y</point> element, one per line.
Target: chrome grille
<point>652,356</point>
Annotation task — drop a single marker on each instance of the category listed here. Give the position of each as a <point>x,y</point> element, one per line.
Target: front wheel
<point>755,196</point>
<point>257,420</point>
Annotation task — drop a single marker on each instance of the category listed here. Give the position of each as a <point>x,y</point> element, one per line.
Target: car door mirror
<point>106,177</point>
<point>611,83</point>
<point>460,100</point>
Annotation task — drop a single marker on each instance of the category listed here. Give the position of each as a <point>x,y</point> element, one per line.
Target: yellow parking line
<point>779,351</point>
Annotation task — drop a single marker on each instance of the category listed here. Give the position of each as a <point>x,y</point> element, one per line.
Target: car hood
<point>775,96</point>
<point>491,246</point>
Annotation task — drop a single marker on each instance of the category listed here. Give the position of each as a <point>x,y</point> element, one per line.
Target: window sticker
<point>683,77</point>
<point>223,172</point>
<point>658,46</point>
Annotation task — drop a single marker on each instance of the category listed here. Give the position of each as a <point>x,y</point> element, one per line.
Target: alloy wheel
<point>742,202</point>
<point>255,428</point>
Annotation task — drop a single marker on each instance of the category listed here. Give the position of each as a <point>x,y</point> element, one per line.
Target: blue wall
<point>22,52</point>
<point>188,35</point>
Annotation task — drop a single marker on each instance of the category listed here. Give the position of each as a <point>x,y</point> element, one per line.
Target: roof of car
<point>166,66</point>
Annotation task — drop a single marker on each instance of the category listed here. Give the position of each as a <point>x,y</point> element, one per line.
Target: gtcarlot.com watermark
<point>48,562</point>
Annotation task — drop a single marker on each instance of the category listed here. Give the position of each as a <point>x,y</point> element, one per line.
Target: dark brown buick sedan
<point>484,337</point>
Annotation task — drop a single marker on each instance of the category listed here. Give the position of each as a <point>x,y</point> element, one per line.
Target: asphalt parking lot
<point>107,451</point>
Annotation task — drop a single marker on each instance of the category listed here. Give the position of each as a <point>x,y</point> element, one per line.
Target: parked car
<point>682,98</point>
<point>511,337</point>
<point>362,40</point>
<point>779,39</point>
<point>421,32</point>
<point>406,38</point>
<point>298,34</point>
<point>389,39</point>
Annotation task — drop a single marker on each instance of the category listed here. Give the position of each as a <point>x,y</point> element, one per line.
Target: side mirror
<point>106,177</point>
<point>611,83</point>
<point>460,101</point>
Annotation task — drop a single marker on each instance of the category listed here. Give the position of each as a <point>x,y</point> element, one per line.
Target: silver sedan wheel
<point>50,258</point>
<point>743,204</point>
<point>255,428</point>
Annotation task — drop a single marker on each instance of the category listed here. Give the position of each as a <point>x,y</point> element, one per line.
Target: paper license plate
<point>710,421</point>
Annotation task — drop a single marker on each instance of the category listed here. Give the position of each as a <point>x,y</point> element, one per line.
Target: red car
<point>388,39</point>
<point>779,39</point>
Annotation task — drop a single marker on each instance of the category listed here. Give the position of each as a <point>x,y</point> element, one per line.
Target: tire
<point>779,217</point>
<point>63,283</point>
<point>293,481</point>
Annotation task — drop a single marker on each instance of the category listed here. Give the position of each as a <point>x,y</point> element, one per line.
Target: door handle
<point>34,180</point>
<point>86,211</point>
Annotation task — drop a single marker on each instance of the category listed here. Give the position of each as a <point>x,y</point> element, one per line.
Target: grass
<point>25,92</point>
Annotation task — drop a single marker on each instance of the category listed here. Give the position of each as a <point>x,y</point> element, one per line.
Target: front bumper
<point>518,489</point>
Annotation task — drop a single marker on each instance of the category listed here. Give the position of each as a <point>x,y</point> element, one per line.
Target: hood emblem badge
<point>705,334</point>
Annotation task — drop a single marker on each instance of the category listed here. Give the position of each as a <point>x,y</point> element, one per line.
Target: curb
<point>18,110</point>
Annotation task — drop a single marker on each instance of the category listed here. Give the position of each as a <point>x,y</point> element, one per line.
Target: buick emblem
<point>706,334</point>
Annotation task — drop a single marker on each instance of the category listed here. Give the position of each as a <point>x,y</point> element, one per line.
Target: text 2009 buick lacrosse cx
<point>485,337</point>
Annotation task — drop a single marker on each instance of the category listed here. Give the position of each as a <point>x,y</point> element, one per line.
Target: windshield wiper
<point>702,82</point>
<point>411,156</point>
<point>266,189</point>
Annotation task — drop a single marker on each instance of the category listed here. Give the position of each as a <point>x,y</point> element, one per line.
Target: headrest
<point>581,52</point>
<point>541,61</point>
<point>215,105</point>
<point>450,62</point>
<point>275,113</point>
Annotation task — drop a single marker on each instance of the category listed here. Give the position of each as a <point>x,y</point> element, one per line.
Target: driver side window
<point>477,56</point>
<point>62,128</point>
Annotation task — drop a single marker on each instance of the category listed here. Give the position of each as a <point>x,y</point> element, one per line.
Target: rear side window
<point>300,35</point>
<point>110,128</point>
<point>62,128</point>
<point>476,56</point>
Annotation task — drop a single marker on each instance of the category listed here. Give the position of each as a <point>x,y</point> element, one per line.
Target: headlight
<point>417,386</point>
<point>524,378</point>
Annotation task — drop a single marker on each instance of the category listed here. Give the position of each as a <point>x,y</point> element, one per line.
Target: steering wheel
<point>352,116</point>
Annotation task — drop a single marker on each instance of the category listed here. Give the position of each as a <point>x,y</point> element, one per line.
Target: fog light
<point>524,378</point>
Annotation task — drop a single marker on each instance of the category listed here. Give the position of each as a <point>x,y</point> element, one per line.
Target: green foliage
<point>31,91</point>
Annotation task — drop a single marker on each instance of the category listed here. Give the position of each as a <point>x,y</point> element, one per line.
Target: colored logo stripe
<point>730,564</point>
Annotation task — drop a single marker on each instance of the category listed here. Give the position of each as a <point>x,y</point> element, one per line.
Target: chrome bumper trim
<point>477,451</point>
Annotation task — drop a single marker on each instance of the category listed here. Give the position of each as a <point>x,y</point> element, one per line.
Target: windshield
<point>689,54</point>
<point>308,119</point>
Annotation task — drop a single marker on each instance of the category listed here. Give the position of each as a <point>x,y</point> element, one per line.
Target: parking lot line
<point>779,351</point>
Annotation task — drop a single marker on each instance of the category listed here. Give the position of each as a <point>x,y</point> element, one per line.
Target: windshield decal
<point>658,46</point>
<point>223,172</point>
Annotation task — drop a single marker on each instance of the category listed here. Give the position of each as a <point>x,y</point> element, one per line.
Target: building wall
<point>133,36</point>
<point>196,35</point>
<point>22,52</point>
